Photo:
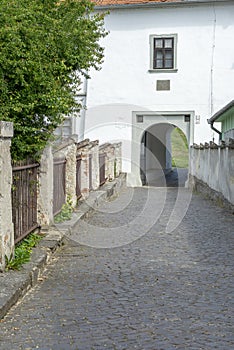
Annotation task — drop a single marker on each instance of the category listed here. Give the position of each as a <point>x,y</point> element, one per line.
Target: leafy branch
<point>45,48</point>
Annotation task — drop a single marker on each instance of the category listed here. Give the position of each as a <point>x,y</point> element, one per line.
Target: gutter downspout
<point>83,112</point>
<point>216,130</point>
<point>81,127</point>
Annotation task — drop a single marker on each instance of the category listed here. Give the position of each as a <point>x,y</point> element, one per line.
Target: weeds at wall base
<point>65,214</point>
<point>23,252</point>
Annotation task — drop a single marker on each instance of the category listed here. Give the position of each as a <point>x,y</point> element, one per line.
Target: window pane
<point>158,43</point>
<point>159,64</point>
<point>168,55</point>
<point>168,64</point>
<point>159,55</point>
<point>168,43</point>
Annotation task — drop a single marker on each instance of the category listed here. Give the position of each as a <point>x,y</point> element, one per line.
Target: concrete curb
<point>15,284</point>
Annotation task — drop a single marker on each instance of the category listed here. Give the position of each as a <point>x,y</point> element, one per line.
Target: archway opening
<point>164,156</point>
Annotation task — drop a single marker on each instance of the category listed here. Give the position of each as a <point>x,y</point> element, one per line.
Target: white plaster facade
<point>125,87</point>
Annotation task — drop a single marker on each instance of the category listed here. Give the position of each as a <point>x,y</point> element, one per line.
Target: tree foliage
<point>43,44</point>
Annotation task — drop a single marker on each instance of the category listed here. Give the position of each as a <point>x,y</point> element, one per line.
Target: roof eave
<point>159,4</point>
<point>221,112</point>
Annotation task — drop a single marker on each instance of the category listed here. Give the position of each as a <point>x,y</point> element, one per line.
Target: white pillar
<point>94,151</point>
<point>45,193</point>
<point>6,225</point>
<point>71,174</point>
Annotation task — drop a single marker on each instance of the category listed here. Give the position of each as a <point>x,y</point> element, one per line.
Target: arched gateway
<point>151,143</point>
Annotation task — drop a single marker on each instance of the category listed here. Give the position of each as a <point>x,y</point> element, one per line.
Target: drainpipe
<point>216,130</point>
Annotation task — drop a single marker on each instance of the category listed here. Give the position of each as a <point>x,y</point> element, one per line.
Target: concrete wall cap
<point>6,129</point>
<point>83,144</point>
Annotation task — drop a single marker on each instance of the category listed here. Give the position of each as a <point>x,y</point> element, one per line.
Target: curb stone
<point>15,284</point>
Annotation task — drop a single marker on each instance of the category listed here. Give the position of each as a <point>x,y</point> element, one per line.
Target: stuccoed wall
<point>6,225</point>
<point>215,168</point>
<point>115,94</point>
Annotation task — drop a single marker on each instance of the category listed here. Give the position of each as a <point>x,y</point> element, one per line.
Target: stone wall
<point>212,170</point>
<point>69,150</point>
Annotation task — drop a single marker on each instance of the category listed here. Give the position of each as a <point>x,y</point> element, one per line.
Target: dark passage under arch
<point>164,156</point>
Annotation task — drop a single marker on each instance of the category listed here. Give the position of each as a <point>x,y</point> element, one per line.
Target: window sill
<point>175,70</point>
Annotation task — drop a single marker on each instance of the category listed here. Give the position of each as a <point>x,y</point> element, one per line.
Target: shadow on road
<point>175,178</point>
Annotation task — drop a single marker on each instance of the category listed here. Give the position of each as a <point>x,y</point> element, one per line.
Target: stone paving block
<point>160,291</point>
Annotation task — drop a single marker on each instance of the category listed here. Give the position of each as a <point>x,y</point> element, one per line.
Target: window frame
<point>152,52</point>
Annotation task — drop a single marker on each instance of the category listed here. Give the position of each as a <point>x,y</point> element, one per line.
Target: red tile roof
<point>128,2</point>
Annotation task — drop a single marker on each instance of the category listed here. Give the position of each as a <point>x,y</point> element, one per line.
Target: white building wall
<point>204,82</point>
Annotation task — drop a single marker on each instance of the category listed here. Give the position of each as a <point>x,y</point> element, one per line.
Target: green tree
<point>45,46</point>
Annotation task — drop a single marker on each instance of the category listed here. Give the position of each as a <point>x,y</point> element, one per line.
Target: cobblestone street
<point>127,280</point>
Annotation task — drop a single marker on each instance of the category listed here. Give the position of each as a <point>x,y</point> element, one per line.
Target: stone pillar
<point>45,190</point>
<point>71,174</point>
<point>83,153</point>
<point>6,225</point>
<point>94,151</point>
<point>84,172</point>
<point>118,158</point>
<point>110,162</point>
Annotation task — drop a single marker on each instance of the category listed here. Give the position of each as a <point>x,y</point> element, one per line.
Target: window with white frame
<point>163,52</point>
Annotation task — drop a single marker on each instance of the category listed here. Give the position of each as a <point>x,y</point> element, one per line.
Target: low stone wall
<point>212,171</point>
<point>89,179</point>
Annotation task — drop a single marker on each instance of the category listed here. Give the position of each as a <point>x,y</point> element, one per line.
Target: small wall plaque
<point>163,85</point>
<point>139,118</point>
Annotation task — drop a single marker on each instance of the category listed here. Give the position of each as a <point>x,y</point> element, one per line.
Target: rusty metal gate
<point>102,160</point>
<point>59,191</point>
<point>24,199</point>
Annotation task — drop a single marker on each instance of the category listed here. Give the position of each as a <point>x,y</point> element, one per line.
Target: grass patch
<point>65,213</point>
<point>23,252</point>
<point>179,147</point>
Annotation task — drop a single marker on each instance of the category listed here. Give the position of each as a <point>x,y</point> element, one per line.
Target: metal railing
<point>78,176</point>
<point>24,199</point>
<point>102,160</point>
<point>59,188</point>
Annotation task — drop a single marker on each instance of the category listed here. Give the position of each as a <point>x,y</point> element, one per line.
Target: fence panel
<point>24,199</point>
<point>102,160</point>
<point>59,191</point>
<point>78,176</point>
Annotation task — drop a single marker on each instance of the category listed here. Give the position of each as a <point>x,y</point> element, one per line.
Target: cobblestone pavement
<point>162,290</point>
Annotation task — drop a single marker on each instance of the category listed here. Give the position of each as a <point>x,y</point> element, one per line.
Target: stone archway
<point>151,134</point>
